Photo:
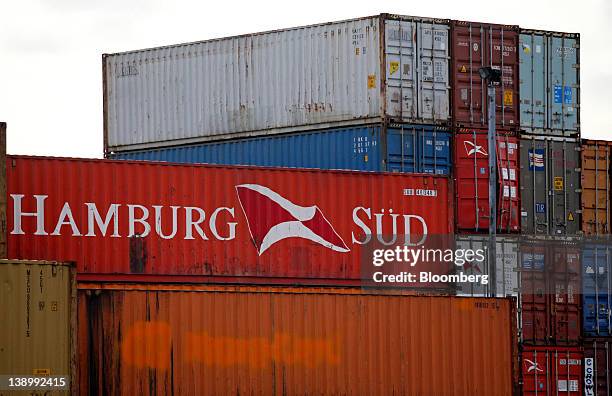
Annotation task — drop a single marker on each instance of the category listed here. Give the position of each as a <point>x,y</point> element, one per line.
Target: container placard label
<point>393,67</point>
<point>508,98</point>
<point>567,95</point>
<point>589,383</point>
<point>558,183</point>
<point>371,81</point>
<point>558,94</point>
<point>536,160</point>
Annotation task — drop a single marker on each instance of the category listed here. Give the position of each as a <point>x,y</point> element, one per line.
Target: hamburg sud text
<point>429,262</point>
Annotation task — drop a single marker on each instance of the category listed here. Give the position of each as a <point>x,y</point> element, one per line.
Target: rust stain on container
<point>595,185</point>
<point>38,316</point>
<point>220,340</point>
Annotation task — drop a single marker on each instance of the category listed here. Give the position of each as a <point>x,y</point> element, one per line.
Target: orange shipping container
<point>221,340</point>
<point>595,186</point>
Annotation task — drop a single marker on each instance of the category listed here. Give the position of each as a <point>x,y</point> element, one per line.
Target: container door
<point>534,317</point>
<point>502,54</point>
<point>549,185</point>
<point>508,194</point>
<point>401,73</point>
<point>401,148</point>
<point>598,367</point>
<point>595,185</point>
<point>536,371</point>
<point>434,83</point>
<point>564,286</point>
<point>472,181</point>
<point>564,160</point>
<point>434,151</point>
<point>562,53</point>
<point>596,288</point>
<point>532,82</point>
<point>567,372</point>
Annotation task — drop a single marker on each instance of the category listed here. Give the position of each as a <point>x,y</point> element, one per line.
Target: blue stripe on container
<point>596,288</point>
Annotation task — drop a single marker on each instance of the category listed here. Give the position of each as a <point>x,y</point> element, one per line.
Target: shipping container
<point>597,289</point>
<point>552,371</point>
<point>550,288</point>
<point>477,45</point>
<point>549,77</point>
<point>213,223</point>
<point>550,185</point>
<point>38,316</point>
<point>318,76</point>
<point>472,181</point>
<point>220,340</point>
<point>598,367</point>
<point>595,182</point>
<point>394,148</point>
<point>505,269</point>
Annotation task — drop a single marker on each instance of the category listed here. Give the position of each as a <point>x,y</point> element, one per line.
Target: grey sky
<point>50,51</point>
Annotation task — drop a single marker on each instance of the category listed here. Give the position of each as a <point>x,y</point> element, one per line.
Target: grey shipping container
<point>505,267</point>
<point>550,82</point>
<point>38,316</point>
<point>320,76</point>
<point>550,185</point>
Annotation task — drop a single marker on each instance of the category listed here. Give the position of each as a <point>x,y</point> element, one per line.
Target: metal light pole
<point>492,76</point>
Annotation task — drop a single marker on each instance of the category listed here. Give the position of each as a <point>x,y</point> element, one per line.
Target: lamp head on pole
<point>490,74</point>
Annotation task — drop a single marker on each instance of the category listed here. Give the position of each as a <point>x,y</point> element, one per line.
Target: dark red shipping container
<point>550,287</point>
<point>597,366</point>
<point>213,223</point>
<point>472,182</point>
<point>552,370</point>
<point>476,45</point>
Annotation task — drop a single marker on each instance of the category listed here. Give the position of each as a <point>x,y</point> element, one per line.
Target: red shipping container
<point>551,370</point>
<point>213,223</point>
<point>550,292</point>
<point>472,181</point>
<point>475,45</point>
<point>598,366</point>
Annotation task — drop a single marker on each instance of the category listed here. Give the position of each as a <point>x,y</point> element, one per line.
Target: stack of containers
<point>550,181</point>
<point>597,263</point>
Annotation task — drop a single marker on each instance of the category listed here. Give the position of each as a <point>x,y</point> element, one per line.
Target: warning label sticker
<point>508,98</point>
<point>558,183</point>
<point>393,67</point>
<point>371,81</point>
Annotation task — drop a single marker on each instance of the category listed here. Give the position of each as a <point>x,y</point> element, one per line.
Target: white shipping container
<point>281,81</point>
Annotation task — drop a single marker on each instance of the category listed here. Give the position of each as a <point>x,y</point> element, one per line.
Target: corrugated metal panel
<point>550,82</point>
<point>595,183</point>
<point>505,267</point>
<point>550,285</point>
<point>598,367</point>
<point>476,45</point>
<point>398,148</point>
<point>38,316</point>
<point>293,342</point>
<point>597,289</point>
<point>550,185</point>
<point>285,225</point>
<point>287,80</point>
<point>472,181</point>
<point>549,371</point>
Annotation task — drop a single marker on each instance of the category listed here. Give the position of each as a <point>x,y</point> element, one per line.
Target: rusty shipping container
<point>595,181</point>
<point>475,45</point>
<point>171,222</point>
<point>552,371</point>
<point>597,366</point>
<point>550,292</point>
<point>550,185</point>
<point>472,182</point>
<point>38,315</point>
<point>337,74</point>
<point>219,340</point>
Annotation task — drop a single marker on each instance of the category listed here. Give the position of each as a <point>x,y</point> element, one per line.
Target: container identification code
<point>420,192</point>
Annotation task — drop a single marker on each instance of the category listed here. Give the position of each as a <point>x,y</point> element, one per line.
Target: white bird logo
<point>534,366</point>
<point>472,148</point>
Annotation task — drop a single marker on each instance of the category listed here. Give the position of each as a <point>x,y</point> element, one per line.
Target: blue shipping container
<point>596,289</point>
<point>397,148</point>
<point>549,76</point>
